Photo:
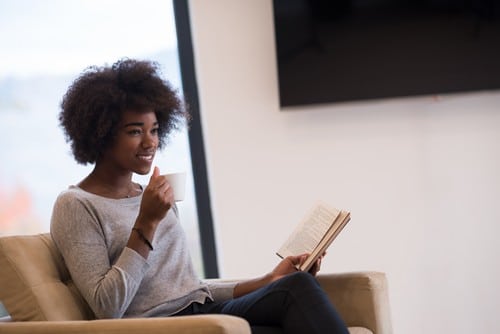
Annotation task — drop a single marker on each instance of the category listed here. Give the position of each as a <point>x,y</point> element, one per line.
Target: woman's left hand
<point>289,265</point>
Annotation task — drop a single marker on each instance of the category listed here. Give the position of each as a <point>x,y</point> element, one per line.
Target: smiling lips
<point>146,157</point>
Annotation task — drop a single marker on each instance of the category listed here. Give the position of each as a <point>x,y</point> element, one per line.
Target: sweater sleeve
<point>107,287</point>
<point>221,290</point>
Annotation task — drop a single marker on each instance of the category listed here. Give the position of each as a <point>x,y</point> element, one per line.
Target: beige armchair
<point>37,291</point>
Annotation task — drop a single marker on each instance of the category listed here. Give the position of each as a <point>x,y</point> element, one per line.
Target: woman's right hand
<point>157,199</point>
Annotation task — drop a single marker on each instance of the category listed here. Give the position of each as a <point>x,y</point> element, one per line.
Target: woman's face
<point>135,144</point>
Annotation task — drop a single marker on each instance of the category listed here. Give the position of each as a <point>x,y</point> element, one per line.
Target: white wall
<point>419,175</point>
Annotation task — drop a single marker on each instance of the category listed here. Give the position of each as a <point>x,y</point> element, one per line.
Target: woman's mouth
<point>146,157</point>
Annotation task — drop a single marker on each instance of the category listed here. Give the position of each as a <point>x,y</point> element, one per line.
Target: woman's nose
<point>149,141</point>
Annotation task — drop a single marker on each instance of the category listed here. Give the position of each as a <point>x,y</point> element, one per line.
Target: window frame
<point>195,135</point>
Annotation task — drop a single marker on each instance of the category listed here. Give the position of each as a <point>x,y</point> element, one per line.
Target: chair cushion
<point>34,282</point>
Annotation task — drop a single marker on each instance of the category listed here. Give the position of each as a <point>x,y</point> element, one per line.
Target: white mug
<point>178,182</point>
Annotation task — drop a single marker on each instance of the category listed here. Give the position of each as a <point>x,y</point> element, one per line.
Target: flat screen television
<point>346,50</point>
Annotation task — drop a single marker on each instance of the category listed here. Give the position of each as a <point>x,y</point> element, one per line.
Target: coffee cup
<point>178,183</point>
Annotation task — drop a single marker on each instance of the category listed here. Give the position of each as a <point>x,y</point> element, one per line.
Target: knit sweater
<point>92,231</point>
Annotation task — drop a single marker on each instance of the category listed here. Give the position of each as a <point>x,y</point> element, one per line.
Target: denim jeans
<point>295,303</point>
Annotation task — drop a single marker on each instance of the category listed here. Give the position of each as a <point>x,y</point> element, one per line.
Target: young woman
<point>122,241</point>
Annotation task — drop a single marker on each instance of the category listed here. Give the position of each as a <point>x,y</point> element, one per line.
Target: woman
<point>122,242</point>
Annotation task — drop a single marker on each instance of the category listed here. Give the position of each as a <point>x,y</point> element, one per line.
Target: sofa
<point>37,291</point>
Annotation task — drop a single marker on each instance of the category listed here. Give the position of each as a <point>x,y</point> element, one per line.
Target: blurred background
<point>44,46</point>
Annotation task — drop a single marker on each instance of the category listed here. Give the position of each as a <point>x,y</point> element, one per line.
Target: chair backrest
<point>34,282</point>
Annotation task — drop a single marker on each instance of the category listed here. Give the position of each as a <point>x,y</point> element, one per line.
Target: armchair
<point>37,291</point>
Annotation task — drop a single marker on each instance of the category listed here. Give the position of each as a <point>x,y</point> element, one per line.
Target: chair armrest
<point>361,299</point>
<point>195,324</point>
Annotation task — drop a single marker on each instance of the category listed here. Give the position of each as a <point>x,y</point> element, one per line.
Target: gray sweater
<point>91,233</point>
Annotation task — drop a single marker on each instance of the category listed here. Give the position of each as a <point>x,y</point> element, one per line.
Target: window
<point>45,45</point>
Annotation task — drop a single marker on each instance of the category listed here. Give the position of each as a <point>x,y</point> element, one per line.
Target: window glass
<point>44,45</point>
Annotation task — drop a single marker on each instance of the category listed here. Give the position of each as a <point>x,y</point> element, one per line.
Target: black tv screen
<point>340,50</point>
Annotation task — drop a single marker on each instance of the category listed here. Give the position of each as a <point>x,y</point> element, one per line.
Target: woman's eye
<point>135,132</point>
<point>155,131</point>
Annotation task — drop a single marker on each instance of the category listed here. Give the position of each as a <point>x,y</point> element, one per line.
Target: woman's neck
<point>112,186</point>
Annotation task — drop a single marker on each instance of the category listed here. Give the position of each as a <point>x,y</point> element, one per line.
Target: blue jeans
<point>295,303</point>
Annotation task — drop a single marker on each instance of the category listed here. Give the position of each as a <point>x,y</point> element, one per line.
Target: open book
<point>314,234</point>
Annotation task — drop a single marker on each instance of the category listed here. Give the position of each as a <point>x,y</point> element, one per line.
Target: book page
<point>342,219</point>
<point>309,233</point>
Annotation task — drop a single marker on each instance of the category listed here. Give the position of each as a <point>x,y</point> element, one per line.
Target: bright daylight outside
<point>44,46</point>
